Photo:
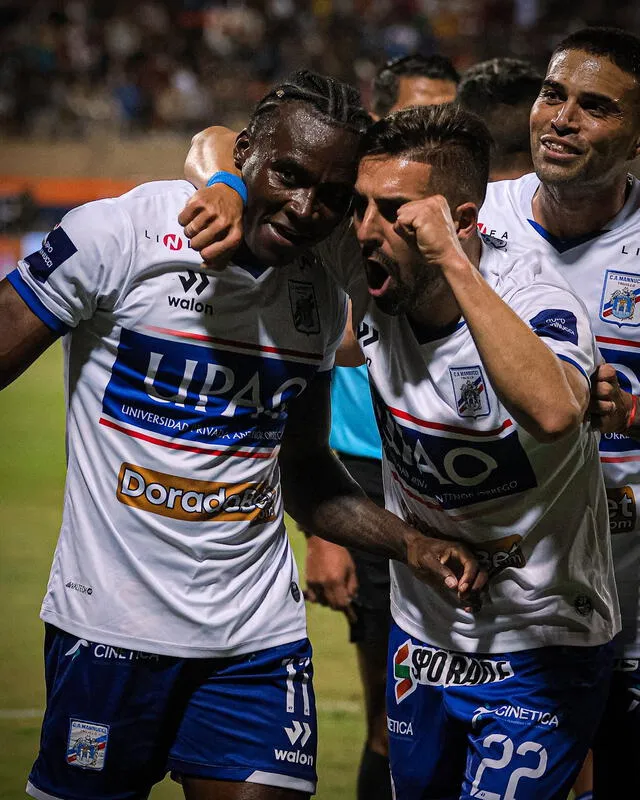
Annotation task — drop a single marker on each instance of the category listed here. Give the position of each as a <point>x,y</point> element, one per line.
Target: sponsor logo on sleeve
<point>87,744</point>
<point>620,294</point>
<point>554,323</point>
<point>621,502</point>
<point>56,248</point>
<point>195,501</point>
<point>470,390</point>
<point>415,665</point>
<point>304,307</point>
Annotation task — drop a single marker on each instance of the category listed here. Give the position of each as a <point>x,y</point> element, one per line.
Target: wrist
<point>234,182</point>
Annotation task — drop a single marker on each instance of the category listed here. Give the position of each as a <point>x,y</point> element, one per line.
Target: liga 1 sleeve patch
<point>556,324</point>
<point>56,248</point>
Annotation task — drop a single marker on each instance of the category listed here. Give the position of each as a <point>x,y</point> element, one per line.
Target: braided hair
<point>333,100</point>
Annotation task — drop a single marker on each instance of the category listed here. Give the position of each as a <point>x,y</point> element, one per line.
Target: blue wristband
<point>231,180</point>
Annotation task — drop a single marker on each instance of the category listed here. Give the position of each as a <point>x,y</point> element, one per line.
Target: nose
<point>565,119</point>
<point>367,226</point>
<point>303,203</point>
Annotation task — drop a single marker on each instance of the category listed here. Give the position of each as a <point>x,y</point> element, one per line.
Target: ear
<point>635,150</point>
<point>466,218</point>
<point>241,148</point>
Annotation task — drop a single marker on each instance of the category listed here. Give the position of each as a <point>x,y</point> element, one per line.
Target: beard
<point>410,286</point>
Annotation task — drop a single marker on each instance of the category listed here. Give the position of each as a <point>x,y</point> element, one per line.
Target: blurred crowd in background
<point>68,67</point>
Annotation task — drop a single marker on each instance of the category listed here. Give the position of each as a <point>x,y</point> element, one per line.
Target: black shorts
<point>371,604</point>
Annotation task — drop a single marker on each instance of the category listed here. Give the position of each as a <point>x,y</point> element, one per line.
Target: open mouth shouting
<point>378,275</point>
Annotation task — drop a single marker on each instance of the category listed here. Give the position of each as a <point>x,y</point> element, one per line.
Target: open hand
<point>331,575</point>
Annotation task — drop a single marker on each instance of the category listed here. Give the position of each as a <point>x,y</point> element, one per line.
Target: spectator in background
<point>502,91</point>
<point>413,81</point>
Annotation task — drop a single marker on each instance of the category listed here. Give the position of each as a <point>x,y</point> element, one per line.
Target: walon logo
<point>192,282</point>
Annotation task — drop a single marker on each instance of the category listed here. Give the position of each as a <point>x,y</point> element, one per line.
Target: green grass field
<point>31,485</point>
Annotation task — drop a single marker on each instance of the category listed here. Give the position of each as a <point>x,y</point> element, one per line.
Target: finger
<point>438,567</point>
<point>190,211</point>
<point>350,614</point>
<point>468,564</point>
<point>352,584</point>
<point>199,222</point>
<point>337,596</point>
<point>222,249</point>
<point>310,595</point>
<point>481,580</point>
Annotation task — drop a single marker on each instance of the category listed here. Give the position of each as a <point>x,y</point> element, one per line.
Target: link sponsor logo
<point>621,502</point>
<point>499,554</point>
<point>429,666</point>
<point>192,500</point>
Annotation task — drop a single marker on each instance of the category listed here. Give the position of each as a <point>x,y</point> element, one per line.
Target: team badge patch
<point>87,745</point>
<point>620,294</point>
<point>405,685</point>
<point>56,248</point>
<point>470,391</point>
<point>304,307</point>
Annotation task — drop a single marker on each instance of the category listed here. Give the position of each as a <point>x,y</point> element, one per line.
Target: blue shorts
<point>117,720</point>
<point>617,744</point>
<point>484,726</point>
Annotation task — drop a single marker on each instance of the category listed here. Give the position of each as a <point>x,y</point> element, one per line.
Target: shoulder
<point>517,268</point>
<point>166,194</point>
<point>501,192</point>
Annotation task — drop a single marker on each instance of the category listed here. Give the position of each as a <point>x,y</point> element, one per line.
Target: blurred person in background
<point>581,209</point>
<point>502,91</point>
<point>414,80</point>
<point>356,582</point>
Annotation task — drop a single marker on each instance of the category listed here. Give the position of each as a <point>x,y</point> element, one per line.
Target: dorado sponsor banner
<point>415,664</point>
<point>192,500</point>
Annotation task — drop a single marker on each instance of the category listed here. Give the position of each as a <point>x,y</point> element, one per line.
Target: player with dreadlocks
<point>175,627</point>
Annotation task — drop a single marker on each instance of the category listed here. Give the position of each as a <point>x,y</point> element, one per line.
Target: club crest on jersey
<point>620,294</point>
<point>470,391</point>
<point>304,307</point>
<point>87,744</point>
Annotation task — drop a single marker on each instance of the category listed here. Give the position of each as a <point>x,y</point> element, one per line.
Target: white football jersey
<point>456,461</point>
<point>604,271</point>
<point>178,378</point>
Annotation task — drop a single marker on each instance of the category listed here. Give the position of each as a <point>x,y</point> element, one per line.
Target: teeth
<point>557,148</point>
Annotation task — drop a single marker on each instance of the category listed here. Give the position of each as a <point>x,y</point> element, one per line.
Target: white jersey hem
<point>166,648</point>
<point>33,791</point>
<point>531,638</point>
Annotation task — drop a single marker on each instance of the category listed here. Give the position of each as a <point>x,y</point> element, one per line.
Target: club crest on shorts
<point>87,744</point>
<point>620,294</point>
<point>470,391</point>
<point>304,307</point>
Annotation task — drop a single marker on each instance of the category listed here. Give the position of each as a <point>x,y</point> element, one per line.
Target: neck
<point>438,310</point>
<point>568,212</point>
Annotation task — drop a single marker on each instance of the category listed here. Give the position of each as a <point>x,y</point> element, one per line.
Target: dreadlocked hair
<point>334,100</point>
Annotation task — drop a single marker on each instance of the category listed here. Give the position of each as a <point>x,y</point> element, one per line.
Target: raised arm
<point>322,497</point>
<point>212,217</point>
<point>546,395</point>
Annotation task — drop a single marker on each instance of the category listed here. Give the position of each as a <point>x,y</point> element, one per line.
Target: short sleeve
<point>341,256</point>
<point>560,319</point>
<point>82,266</point>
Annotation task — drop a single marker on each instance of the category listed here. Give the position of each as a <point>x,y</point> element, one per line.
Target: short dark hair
<point>333,100</point>
<point>386,84</point>
<point>453,140</point>
<point>502,91</point>
<point>621,47</point>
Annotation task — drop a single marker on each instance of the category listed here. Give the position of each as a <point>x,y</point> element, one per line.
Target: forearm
<point>526,375</point>
<point>322,497</point>
<point>211,151</point>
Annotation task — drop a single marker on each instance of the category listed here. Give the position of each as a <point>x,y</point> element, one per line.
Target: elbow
<point>558,422</point>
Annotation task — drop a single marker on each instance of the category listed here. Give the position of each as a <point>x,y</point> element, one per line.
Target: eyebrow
<point>604,99</point>
<point>395,198</point>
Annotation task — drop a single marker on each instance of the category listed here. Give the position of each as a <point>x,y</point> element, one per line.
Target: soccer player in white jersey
<point>581,209</point>
<point>480,366</point>
<point>175,629</point>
